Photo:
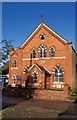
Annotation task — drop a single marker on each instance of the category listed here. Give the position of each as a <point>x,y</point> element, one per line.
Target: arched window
<point>33,53</point>
<point>58,74</point>
<point>42,51</point>
<point>51,50</point>
<point>42,36</point>
<point>14,78</point>
<point>34,78</point>
<point>14,63</point>
<point>26,69</point>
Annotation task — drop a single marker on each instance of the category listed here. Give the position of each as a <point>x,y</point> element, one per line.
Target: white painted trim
<point>38,83</point>
<point>38,68</point>
<point>58,57</point>
<point>46,70</point>
<point>23,84</point>
<point>48,29</point>
<point>48,58</point>
<point>57,82</point>
<point>55,33</point>
<point>62,86</point>
<point>44,58</point>
<point>30,59</point>
<point>31,35</point>
<point>14,68</point>
<point>13,85</point>
<point>35,72</point>
<point>33,66</point>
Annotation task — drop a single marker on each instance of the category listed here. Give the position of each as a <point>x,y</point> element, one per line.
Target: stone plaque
<point>42,62</point>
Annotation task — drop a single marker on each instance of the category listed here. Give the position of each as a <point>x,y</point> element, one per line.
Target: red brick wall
<point>52,94</point>
<point>61,50</point>
<point>40,78</point>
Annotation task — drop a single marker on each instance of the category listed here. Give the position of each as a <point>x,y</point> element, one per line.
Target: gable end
<point>49,29</point>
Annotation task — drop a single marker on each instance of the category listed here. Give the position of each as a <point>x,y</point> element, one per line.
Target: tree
<point>4,52</point>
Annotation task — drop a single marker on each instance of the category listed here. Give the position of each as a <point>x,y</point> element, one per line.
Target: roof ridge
<point>43,69</point>
<point>47,27</point>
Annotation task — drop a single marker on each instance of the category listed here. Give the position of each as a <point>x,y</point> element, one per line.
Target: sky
<point>39,0</point>
<point>19,19</point>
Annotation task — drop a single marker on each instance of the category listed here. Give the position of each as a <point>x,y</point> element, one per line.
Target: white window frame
<point>51,52</point>
<point>42,35</point>
<point>34,78</point>
<point>35,72</point>
<point>33,53</point>
<point>14,79</point>
<point>42,52</point>
<point>14,64</point>
<point>58,75</point>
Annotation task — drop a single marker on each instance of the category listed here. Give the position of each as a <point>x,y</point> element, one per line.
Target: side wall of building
<point>16,54</point>
<point>74,71</point>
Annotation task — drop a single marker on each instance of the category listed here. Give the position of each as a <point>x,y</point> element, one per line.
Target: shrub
<point>73,94</point>
<point>66,85</point>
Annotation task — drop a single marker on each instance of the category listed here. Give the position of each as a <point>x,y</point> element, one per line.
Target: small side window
<point>14,78</point>
<point>33,53</point>
<point>51,52</point>
<point>14,63</point>
<point>42,36</point>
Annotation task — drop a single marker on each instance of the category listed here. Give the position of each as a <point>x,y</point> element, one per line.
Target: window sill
<point>57,82</point>
<point>51,57</point>
<point>14,68</point>
<point>42,58</point>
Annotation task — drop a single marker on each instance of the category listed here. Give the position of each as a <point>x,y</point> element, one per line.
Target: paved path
<point>0,99</point>
<point>0,103</point>
<point>11,101</point>
<point>37,108</point>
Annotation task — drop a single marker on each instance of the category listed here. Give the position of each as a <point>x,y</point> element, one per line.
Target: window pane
<point>58,75</point>
<point>51,52</point>
<point>60,79</point>
<point>33,54</point>
<point>14,63</point>
<point>56,71</point>
<point>61,75</point>
<point>58,67</point>
<point>35,78</point>
<point>42,52</point>
<point>42,37</point>
<point>56,79</point>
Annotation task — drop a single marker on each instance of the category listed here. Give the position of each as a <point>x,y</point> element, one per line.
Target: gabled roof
<point>46,27</point>
<point>45,70</point>
<point>40,68</point>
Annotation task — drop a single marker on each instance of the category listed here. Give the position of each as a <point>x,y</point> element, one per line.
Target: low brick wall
<point>51,94</point>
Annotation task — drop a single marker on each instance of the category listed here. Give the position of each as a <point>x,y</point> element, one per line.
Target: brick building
<point>45,60</point>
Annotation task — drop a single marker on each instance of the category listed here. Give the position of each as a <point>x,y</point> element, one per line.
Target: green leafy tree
<point>4,52</point>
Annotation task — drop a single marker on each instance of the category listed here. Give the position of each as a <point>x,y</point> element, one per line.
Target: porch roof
<point>41,68</point>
